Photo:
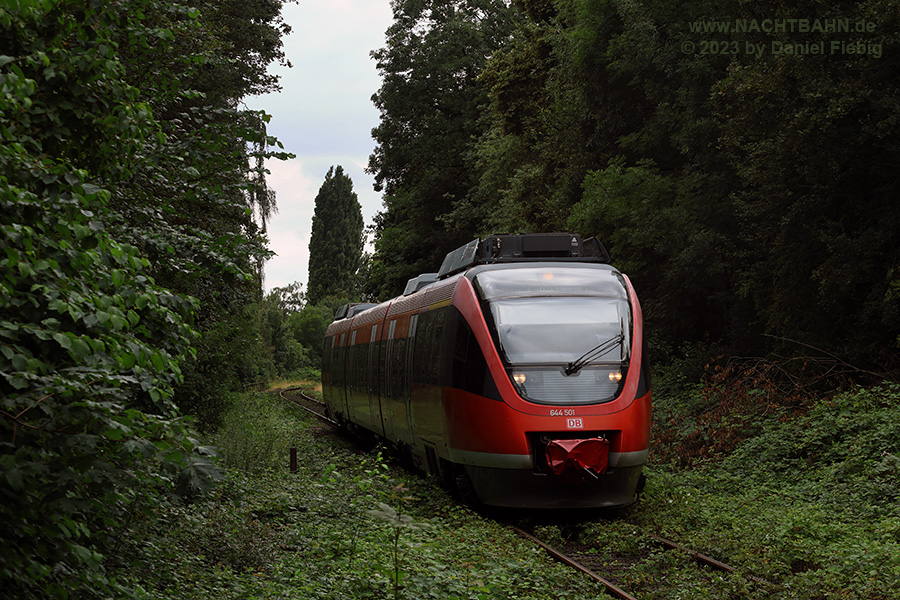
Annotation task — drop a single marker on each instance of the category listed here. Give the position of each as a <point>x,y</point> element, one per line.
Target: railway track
<point>611,588</point>
<point>577,559</point>
<point>298,397</point>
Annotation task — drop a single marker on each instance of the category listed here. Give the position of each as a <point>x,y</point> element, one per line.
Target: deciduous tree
<point>431,103</point>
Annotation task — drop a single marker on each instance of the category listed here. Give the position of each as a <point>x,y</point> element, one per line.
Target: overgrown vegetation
<point>807,502</point>
<point>129,251</point>
<point>348,524</point>
<point>133,207</point>
<point>805,499</point>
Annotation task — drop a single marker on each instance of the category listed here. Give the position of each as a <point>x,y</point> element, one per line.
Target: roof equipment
<point>523,248</point>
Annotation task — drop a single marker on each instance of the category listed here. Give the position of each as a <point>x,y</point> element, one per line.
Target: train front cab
<point>500,433</point>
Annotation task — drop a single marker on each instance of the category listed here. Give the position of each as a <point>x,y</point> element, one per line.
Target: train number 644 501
<point>562,412</point>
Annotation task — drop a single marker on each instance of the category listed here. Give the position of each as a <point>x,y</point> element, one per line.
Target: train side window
<point>374,329</point>
<point>342,339</point>
<point>410,349</point>
<point>352,337</point>
<point>392,328</point>
<point>460,352</point>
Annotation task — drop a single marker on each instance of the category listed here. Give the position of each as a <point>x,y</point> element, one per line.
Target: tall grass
<point>255,435</point>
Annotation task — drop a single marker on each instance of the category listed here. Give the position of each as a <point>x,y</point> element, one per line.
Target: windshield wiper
<point>594,353</point>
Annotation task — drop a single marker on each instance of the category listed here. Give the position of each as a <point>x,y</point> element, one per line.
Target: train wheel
<point>463,488</point>
<point>640,486</point>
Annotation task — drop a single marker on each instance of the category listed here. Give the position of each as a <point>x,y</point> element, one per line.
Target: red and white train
<point>517,373</point>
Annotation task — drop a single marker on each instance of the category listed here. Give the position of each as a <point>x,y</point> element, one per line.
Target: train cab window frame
<point>535,314</point>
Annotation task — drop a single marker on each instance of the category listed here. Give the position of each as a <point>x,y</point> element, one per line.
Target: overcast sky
<point>324,115</point>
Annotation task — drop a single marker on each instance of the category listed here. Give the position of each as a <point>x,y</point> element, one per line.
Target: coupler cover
<point>578,460</point>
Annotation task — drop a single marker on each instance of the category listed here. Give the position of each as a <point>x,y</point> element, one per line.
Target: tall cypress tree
<point>336,243</point>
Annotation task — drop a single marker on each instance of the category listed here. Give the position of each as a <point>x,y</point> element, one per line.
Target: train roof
<point>345,311</point>
<point>531,247</point>
<point>498,249</point>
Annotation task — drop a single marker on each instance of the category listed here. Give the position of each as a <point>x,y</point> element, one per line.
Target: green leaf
<point>63,340</point>
<point>79,349</point>
<point>19,362</point>
<point>158,360</point>
<point>14,478</point>
<point>126,359</point>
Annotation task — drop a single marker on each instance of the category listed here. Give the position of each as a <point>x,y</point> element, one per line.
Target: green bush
<point>92,347</point>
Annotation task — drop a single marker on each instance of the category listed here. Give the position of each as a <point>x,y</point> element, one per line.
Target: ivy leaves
<point>91,347</point>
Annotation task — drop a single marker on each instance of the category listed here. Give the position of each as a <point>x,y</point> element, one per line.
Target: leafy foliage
<point>312,533</point>
<point>805,502</point>
<point>107,156</point>
<point>810,138</point>
<point>720,182</point>
<point>197,206</point>
<point>805,499</point>
<point>430,101</point>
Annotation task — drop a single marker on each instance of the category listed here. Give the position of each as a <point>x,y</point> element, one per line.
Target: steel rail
<point>610,586</point>
<point>706,560</point>
<point>701,558</point>
<point>299,390</point>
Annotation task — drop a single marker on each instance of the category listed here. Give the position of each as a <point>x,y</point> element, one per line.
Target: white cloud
<point>324,115</point>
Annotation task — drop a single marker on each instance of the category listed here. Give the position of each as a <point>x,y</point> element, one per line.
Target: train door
<point>372,379</point>
<point>339,374</point>
<point>403,422</point>
<point>388,381</point>
<point>353,380</point>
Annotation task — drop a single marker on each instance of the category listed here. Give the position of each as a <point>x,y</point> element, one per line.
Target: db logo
<point>574,424</point>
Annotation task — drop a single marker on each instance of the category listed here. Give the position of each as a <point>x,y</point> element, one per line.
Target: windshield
<point>560,330</point>
<point>564,332</point>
